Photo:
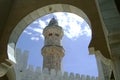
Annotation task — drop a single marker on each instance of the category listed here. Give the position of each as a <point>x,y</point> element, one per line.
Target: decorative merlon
<point>29,73</point>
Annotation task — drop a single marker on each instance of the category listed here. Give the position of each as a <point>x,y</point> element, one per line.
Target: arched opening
<point>77,36</point>
<point>39,13</point>
<point>32,16</point>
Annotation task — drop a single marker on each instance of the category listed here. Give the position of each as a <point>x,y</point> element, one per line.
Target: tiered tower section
<point>52,50</point>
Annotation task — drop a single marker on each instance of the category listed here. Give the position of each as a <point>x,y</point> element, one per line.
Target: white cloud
<point>29,33</point>
<point>71,24</point>
<point>35,38</point>
<point>38,30</point>
<point>87,31</point>
<point>35,34</point>
<point>48,20</point>
<point>42,24</point>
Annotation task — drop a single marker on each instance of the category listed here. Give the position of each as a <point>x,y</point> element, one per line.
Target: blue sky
<point>77,35</point>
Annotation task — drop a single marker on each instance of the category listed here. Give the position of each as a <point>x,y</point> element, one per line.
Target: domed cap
<point>52,22</point>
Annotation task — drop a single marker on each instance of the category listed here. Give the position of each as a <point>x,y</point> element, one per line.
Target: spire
<point>52,22</point>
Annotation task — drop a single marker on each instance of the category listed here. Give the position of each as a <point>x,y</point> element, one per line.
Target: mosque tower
<point>52,50</point>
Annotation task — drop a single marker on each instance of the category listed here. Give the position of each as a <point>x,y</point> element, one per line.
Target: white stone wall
<point>29,73</point>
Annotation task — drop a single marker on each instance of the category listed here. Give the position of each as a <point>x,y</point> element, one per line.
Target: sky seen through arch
<point>77,35</point>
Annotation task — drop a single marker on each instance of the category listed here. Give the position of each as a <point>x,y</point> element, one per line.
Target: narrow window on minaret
<point>57,35</point>
<point>50,34</point>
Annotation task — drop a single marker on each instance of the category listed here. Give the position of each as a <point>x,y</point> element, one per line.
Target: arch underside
<point>50,9</point>
<point>22,12</point>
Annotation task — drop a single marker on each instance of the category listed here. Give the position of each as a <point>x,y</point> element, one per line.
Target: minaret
<point>52,50</point>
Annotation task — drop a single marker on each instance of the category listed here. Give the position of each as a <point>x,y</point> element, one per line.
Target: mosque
<point>103,16</point>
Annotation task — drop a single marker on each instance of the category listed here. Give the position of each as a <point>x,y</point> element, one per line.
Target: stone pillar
<point>7,71</point>
<point>100,68</point>
<point>116,66</point>
<point>104,66</point>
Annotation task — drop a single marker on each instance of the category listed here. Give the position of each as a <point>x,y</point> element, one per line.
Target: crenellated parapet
<point>28,72</point>
<point>45,74</point>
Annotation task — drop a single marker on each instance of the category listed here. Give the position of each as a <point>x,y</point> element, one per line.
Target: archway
<point>77,36</point>
<point>20,10</point>
<point>95,20</point>
<point>41,12</point>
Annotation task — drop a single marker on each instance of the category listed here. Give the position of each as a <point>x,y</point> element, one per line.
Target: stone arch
<point>44,11</point>
<point>41,12</point>
<point>20,10</point>
<point>47,10</point>
<point>88,7</point>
